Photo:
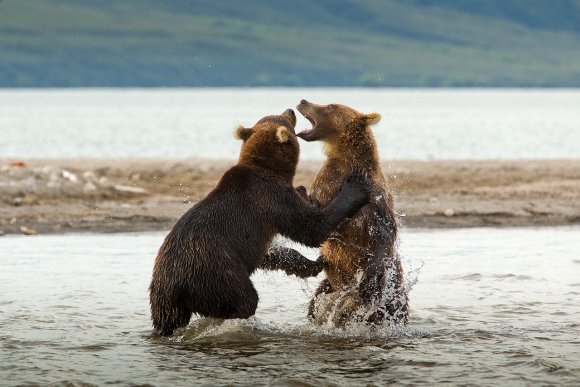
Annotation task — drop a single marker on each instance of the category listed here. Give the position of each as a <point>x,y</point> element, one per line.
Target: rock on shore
<point>55,196</point>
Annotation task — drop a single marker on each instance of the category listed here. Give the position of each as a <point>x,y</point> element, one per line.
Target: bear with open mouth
<point>204,265</point>
<point>364,276</point>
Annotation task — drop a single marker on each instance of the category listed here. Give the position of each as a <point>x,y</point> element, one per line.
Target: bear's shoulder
<point>247,178</point>
<point>238,177</point>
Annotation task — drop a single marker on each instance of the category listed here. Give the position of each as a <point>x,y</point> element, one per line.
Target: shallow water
<point>489,307</point>
<point>420,124</point>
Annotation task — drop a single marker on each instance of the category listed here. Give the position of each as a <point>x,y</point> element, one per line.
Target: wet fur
<point>365,244</point>
<point>205,262</point>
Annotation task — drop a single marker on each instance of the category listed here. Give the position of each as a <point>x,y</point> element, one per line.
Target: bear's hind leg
<point>231,295</point>
<point>179,319</point>
<point>245,306</point>
<point>325,287</point>
<point>168,313</point>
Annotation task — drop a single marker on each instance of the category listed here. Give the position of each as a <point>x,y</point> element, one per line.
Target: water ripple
<point>502,318</point>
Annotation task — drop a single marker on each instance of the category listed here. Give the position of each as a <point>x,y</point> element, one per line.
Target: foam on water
<point>489,306</point>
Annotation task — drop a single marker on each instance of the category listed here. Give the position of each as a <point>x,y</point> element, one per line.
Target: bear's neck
<point>283,171</point>
<point>357,147</point>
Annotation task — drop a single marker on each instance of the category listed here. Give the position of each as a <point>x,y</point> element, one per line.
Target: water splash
<point>211,330</point>
<point>345,306</point>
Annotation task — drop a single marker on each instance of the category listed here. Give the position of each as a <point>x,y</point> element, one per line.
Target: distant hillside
<point>53,43</point>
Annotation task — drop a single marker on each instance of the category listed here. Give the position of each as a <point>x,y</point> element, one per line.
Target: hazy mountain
<point>289,43</point>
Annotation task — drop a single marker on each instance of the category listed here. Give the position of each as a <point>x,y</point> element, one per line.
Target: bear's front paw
<point>302,192</point>
<point>314,202</point>
<point>312,268</point>
<point>358,186</point>
<point>316,267</point>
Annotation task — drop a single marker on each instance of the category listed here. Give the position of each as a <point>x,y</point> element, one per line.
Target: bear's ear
<point>242,133</point>
<point>282,134</point>
<point>371,118</point>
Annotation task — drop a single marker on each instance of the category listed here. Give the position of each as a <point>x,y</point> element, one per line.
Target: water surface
<point>420,124</point>
<point>489,307</point>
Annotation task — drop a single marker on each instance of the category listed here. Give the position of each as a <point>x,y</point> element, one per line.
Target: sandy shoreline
<point>60,196</point>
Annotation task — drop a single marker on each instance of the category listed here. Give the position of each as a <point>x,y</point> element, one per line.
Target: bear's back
<point>230,219</point>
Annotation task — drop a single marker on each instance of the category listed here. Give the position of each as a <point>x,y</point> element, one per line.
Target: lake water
<point>421,124</point>
<point>489,307</point>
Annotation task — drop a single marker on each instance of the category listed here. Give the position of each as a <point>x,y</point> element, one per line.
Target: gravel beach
<point>107,195</point>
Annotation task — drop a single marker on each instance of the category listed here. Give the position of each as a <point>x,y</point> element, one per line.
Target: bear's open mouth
<point>312,121</point>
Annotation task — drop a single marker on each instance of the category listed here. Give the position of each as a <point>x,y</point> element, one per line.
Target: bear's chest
<point>327,184</point>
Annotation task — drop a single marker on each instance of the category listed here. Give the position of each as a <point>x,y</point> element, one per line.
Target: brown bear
<point>364,277</point>
<point>205,262</point>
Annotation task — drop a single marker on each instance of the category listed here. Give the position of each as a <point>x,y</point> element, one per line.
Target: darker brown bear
<point>364,244</point>
<point>205,262</point>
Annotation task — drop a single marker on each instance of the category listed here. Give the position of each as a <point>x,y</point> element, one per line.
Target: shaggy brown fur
<point>205,262</point>
<point>365,243</point>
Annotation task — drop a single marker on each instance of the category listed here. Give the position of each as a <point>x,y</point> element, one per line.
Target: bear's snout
<point>289,112</point>
<point>291,116</point>
<point>304,107</point>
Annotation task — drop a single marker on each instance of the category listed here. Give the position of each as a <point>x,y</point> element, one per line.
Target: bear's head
<point>271,144</point>
<point>340,127</point>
